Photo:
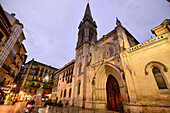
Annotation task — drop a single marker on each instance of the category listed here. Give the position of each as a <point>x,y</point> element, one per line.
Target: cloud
<point>51,26</point>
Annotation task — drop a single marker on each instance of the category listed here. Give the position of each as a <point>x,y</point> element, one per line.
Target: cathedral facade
<point>117,72</point>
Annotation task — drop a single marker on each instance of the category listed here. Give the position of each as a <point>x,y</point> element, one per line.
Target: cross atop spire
<point>88,13</point>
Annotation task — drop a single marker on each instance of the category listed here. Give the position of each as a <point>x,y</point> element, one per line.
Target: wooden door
<point>113,94</point>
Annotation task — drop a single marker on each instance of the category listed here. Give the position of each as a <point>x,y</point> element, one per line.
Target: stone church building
<point>117,72</point>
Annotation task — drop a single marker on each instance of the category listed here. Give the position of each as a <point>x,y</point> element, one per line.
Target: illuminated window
<point>159,78</point>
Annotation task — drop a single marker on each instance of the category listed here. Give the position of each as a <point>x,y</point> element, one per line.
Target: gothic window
<point>70,93</point>
<point>82,37</point>
<point>90,36</point>
<point>65,93</point>
<point>159,78</point>
<point>78,88</point>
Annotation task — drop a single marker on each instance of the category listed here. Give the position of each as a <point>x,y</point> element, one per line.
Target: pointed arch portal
<point>113,94</point>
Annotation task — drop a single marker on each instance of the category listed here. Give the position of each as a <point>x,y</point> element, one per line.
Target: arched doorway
<point>113,94</point>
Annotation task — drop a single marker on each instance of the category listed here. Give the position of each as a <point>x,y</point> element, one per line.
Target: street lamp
<point>15,85</point>
<point>46,78</point>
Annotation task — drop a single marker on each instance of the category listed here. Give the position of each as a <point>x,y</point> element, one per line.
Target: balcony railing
<point>11,74</point>
<point>17,66</point>
<point>44,87</point>
<point>35,86</point>
<point>7,68</point>
<point>49,82</point>
<point>12,55</point>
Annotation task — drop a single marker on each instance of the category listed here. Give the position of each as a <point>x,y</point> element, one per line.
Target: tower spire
<point>87,14</point>
<point>87,29</point>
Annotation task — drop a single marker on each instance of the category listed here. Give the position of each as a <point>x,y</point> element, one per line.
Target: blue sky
<point>51,26</point>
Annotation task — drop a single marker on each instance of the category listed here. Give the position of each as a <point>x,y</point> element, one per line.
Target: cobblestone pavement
<point>19,108</point>
<point>52,109</point>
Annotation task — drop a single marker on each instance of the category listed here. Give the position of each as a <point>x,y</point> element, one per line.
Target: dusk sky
<point>51,26</point>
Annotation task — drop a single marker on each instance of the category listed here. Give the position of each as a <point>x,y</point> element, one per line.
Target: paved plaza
<point>20,106</point>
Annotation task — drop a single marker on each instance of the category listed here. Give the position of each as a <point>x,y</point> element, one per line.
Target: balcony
<point>17,66</point>
<point>12,55</point>
<point>45,87</point>
<point>11,74</point>
<point>21,58</point>
<point>48,82</point>
<point>7,68</point>
<point>34,86</point>
<point>14,63</point>
<point>31,73</point>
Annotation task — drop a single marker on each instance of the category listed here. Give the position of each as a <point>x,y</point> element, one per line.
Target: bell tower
<point>87,29</point>
<point>87,35</point>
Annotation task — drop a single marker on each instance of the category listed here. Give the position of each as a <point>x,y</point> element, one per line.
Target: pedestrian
<point>45,104</point>
<point>14,101</point>
<point>29,108</point>
<point>66,104</point>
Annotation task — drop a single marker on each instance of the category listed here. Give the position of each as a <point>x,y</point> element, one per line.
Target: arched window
<point>70,93</point>
<point>65,93</point>
<point>90,36</point>
<point>159,78</point>
<point>78,92</point>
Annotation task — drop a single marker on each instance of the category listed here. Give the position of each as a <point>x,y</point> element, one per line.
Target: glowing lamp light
<point>15,85</point>
<point>46,77</point>
<point>21,92</point>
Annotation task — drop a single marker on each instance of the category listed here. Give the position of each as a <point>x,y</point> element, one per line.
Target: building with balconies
<point>33,76</point>
<point>12,51</point>
<point>62,87</point>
